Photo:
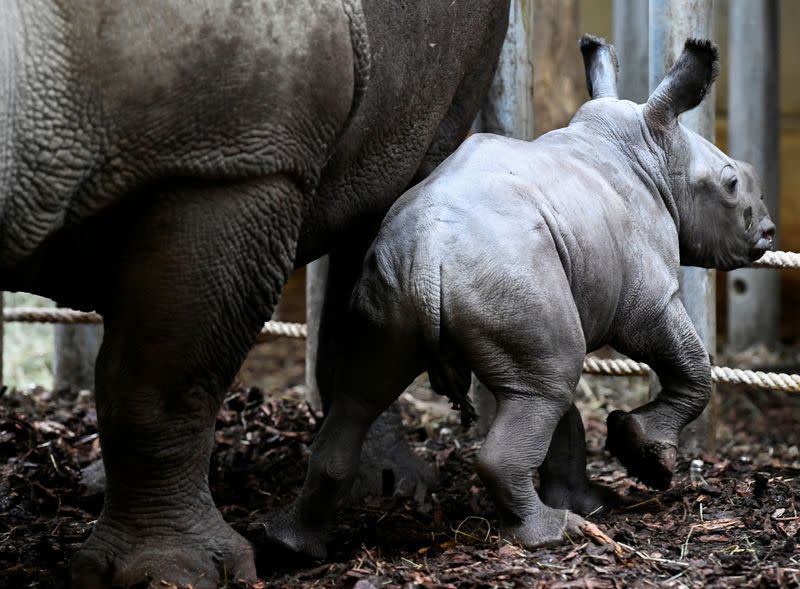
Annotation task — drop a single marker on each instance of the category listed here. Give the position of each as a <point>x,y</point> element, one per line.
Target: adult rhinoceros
<point>168,163</point>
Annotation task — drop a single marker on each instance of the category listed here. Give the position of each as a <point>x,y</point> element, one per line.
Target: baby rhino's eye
<point>729,179</point>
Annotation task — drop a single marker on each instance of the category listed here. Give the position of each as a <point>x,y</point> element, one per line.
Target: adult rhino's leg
<point>197,274</point>
<point>646,439</point>
<point>564,483</point>
<point>387,463</point>
<point>373,366</point>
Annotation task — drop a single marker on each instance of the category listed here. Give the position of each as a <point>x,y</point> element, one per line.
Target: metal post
<point>753,121</point>
<point>509,105</point>
<point>631,18</point>
<point>316,279</point>
<point>559,80</point>
<point>508,111</point>
<point>671,23</point>
<point>75,352</point>
<point>2,339</point>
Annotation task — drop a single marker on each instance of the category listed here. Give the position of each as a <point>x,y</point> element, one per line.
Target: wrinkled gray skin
<point>168,163</point>
<point>513,260</point>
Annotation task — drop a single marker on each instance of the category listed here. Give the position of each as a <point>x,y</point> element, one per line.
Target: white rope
<point>48,315</point>
<point>591,365</point>
<point>70,316</point>
<point>785,260</point>
<point>621,367</point>
<point>777,381</point>
<point>283,328</point>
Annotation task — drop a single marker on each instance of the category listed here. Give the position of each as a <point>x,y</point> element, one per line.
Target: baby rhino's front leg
<point>646,439</point>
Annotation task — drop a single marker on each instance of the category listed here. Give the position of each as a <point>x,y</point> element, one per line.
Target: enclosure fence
<point>591,365</point>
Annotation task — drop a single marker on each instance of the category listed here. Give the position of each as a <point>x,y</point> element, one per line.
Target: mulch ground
<point>733,524</point>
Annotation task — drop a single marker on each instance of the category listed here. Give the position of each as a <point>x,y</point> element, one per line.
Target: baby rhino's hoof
<point>281,540</point>
<point>587,499</point>
<point>647,458</point>
<point>549,527</point>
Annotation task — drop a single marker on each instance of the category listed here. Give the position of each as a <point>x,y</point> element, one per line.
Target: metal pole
<point>753,121</point>
<point>316,279</point>
<point>631,20</point>
<point>671,23</point>
<point>2,339</point>
<point>75,352</point>
<point>630,38</point>
<point>508,111</point>
<point>509,105</point>
<point>559,81</point>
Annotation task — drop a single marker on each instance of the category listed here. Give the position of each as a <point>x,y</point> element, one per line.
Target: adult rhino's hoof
<point>281,540</point>
<point>649,459</point>
<point>200,562</point>
<point>548,527</point>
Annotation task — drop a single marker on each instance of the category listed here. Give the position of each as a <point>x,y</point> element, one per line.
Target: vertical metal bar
<point>316,279</point>
<point>671,23</point>
<point>509,111</point>
<point>753,120</point>
<point>509,106</point>
<point>2,339</point>
<point>559,81</point>
<point>75,352</point>
<point>630,37</point>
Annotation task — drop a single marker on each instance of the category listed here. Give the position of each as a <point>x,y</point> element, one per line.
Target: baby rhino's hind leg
<point>375,366</point>
<point>564,481</point>
<point>518,441</point>
<point>529,355</point>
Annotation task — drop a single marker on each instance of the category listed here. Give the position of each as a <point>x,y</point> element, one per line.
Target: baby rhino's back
<point>467,237</point>
<point>466,272</point>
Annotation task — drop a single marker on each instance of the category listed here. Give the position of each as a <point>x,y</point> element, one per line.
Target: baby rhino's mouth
<point>764,242</point>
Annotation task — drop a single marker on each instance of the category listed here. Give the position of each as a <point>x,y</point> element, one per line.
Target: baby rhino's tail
<point>448,370</point>
<point>451,377</point>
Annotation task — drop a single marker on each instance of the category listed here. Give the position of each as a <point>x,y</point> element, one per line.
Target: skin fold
<point>512,260</point>
<point>167,163</point>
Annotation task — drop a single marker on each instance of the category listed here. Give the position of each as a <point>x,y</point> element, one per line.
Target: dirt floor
<point>734,524</point>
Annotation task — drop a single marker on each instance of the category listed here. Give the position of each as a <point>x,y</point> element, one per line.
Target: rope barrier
<point>778,260</point>
<point>72,317</point>
<point>620,367</point>
<point>49,315</point>
<point>284,329</point>
<point>777,381</point>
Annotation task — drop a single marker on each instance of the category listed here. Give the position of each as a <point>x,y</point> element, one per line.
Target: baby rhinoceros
<point>512,260</point>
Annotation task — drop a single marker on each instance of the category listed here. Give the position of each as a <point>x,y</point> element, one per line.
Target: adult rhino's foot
<point>546,527</point>
<point>282,539</point>
<point>586,499</point>
<point>646,453</point>
<point>193,555</point>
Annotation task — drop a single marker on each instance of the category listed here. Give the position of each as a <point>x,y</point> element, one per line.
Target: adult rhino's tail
<point>448,370</point>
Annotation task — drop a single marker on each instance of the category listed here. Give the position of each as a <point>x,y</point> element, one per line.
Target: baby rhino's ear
<point>600,61</point>
<point>685,84</point>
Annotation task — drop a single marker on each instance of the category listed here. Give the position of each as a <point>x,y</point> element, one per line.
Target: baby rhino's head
<point>717,201</point>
